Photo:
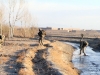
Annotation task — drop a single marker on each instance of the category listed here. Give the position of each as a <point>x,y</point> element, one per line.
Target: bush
<point>5,30</point>
<point>25,32</point>
<point>20,32</point>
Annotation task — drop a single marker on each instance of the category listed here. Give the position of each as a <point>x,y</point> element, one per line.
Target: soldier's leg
<point>80,50</point>
<point>39,40</point>
<point>83,51</point>
<point>42,40</point>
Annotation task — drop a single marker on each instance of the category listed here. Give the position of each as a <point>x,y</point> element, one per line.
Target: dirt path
<point>42,66</point>
<point>51,59</point>
<point>8,56</point>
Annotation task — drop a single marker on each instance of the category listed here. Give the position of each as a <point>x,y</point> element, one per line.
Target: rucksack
<point>0,36</point>
<point>40,33</point>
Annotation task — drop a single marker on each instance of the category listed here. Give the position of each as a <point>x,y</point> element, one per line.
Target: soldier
<point>83,44</point>
<point>41,35</point>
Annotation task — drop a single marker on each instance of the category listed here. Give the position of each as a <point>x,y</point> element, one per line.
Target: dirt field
<point>9,54</point>
<point>23,56</point>
<point>92,37</point>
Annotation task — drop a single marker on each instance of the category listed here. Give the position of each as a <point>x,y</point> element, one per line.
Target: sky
<point>83,14</point>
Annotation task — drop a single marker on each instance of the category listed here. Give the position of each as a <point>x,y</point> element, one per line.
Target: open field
<point>92,36</point>
<point>23,56</point>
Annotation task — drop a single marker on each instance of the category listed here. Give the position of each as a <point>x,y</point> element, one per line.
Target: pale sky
<point>84,14</point>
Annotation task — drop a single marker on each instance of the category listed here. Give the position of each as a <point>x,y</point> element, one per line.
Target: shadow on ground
<point>42,66</point>
<point>32,45</point>
<point>12,66</point>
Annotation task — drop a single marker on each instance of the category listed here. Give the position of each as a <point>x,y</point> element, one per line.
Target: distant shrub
<point>25,32</point>
<point>5,30</point>
<point>33,31</point>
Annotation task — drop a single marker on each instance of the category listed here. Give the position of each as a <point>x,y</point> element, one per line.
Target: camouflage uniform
<point>83,45</point>
<point>41,35</point>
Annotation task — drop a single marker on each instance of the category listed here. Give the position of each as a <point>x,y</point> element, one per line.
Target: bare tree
<point>1,17</point>
<point>28,24</point>
<point>24,22</point>
<point>16,9</point>
<point>17,12</point>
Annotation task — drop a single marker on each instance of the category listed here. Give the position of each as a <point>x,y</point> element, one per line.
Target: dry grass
<point>25,32</point>
<point>60,56</point>
<point>3,60</point>
<point>20,32</point>
<point>5,30</point>
<point>64,33</point>
<point>25,63</point>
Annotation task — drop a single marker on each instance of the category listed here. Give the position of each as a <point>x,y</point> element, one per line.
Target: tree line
<point>15,19</point>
